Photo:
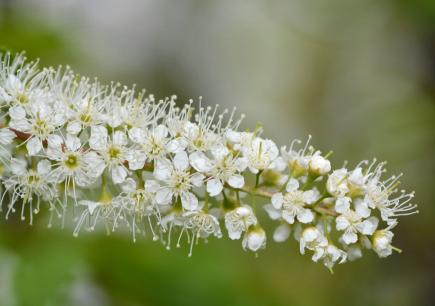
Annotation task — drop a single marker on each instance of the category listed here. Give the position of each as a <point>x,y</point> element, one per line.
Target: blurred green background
<point>359,75</point>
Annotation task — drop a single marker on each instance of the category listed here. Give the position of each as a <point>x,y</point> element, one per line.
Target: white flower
<point>72,163</point>
<point>113,149</point>
<point>381,242</point>
<point>152,145</point>
<point>137,204</point>
<point>135,109</point>
<point>330,255</point>
<point>198,137</point>
<point>39,122</point>
<point>202,224</point>
<point>293,204</point>
<point>82,105</point>
<point>239,220</point>
<point>60,132</point>
<point>224,168</point>
<point>241,141</point>
<point>138,200</point>
<point>312,239</point>
<point>299,160</point>
<point>208,128</point>
<point>352,224</point>
<point>337,182</point>
<point>178,181</point>
<point>378,197</point>
<point>254,239</point>
<point>94,211</point>
<point>22,83</point>
<point>261,154</point>
<point>30,186</point>
<point>356,182</point>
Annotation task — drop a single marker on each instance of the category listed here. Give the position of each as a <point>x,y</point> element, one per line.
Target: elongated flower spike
<point>118,157</point>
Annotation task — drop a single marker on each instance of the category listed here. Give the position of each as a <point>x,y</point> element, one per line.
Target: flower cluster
<point>118,157</point>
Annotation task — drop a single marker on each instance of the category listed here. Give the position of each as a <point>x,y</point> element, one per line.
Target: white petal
<point>292,185</point>
<point>6,136</point>
<point>214,187</point>
<point>277,200</point>
<point>4,96</point>
<point>137,135</point>
<point>18,166</point>
<point>129,185</point>
<point>163,170</point>
<point>305,215</point>
<point>342,204</point>
<point>310,196</point>
<point>356,177</point>
<point>236,181</point>
<point>136,159</point>
<point>235,234</point>
<point>160,132</point>
<point>289,218</point>
<point>91,205</point>
<point>310,234</point>
<point>367,227</point>
<point>74,127</point>
<point>177,145</point>
<point>20,125</point>
<point>118,174</point>
<point>33,145</point>
<point>281,233</point>
<point>17,112</point>
<point>362,209</point>
<point>95,163</point>
<point>189,201</point>
<point>233,136</point>
<point>341,223</point>
<point>44,167</point>
<point>270,148</point>
<point>200,162</point>
<point>197,179</point>
<point>318,253</point>
<point>164,196</point>
<point>151,186</point>
<point>72,142</point>
<point>55,141</point>
<point>181,161</point>
<point>191,130</point>
<point>219,152</point>
<point>273,213</point>
<point>98,139</point>
<point>350,237</point>
<point>119,138</point>
<point>241,163</point>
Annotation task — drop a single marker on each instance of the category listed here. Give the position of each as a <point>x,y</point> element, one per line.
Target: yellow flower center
<point>71,161</point>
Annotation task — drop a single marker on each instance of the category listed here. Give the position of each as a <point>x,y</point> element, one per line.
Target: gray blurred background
<point>357,75</point>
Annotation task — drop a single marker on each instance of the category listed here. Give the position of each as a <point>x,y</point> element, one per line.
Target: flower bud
<point>318,165</point>
<point>381,242</point>
<point>255,239</point>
